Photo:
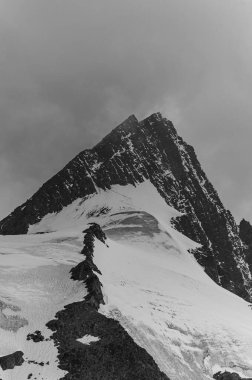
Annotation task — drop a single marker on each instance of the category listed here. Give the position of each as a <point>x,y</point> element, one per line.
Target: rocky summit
<point>149,149</point>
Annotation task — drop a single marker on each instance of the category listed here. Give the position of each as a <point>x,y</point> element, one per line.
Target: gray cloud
<point>71,70</point>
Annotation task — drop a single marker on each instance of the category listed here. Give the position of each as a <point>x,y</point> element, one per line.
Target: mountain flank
<point>150,149</point>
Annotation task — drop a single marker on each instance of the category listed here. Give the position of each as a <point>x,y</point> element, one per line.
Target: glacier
<point>152,285</point>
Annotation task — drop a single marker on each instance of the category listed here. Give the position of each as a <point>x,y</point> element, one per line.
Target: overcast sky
<point>71,70</point>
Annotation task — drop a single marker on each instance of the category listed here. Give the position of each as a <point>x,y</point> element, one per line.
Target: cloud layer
<point>72,70</point>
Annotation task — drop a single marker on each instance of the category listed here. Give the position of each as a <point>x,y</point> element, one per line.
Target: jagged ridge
<point>84,271</point>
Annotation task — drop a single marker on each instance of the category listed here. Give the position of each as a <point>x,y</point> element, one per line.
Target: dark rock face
<point>245,230</point>
<point>114,357</point>
<point>12,360</point>
<point>150,149</point>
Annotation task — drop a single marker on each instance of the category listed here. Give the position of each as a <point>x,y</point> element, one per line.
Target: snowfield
<point>34,285</point>
<point>88,339</point>
<point>152,285</point>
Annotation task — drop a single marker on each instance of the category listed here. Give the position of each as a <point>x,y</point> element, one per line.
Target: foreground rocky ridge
<point>130,154</point>
<point>115,355</point>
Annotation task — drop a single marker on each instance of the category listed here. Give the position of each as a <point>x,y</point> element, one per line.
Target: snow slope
<point>100,206</point>
<point>151,283</point>
<point>34,285</point>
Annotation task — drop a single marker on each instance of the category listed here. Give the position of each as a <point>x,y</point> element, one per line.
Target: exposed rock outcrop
<point>36,337</point>
<point>229,376</point>
<point>114,357</point>
<point>12,360</point>
<point>245,231</point>
<point>84,271</point>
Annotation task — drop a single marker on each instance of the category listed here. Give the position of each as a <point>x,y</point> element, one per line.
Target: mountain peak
<point>131,121</point>
<point>131,154</point>
<point>155,116</point>
<point>131,126</point>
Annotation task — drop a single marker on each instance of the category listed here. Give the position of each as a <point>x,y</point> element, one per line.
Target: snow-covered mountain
<point>144,303</point>
<point>149,150</point>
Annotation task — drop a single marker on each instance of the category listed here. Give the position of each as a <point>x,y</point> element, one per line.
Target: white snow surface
<point>34,285</point>
<point>100,207</point>
<point>87,339</point>
<point>152,285</point>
